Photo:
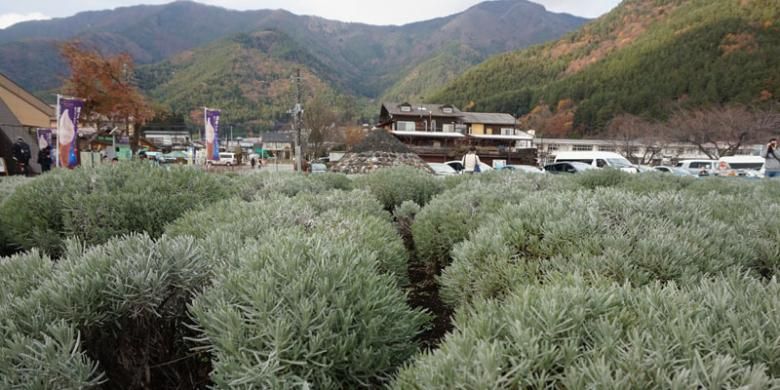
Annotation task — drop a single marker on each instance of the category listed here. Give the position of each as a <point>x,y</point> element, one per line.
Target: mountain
<point>359,60</point>
<point>248,76</point>
<point>642,58</point>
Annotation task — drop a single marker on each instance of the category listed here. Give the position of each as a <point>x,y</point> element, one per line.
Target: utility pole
<point>297,112</point>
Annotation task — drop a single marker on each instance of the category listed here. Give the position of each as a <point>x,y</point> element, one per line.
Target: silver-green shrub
<point>667,236</point>
<point>572,334</point>
<point>36,355</point>
<point>126,302</point>
<point>393,186</point>
<point>94,205</point>
<point>289,184</point>
<point>299,310</point>
<point>453,215</point>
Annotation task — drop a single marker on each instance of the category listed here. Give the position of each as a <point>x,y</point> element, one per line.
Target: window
<point>406,108</point>
<point>607,148</point>
<point>405,126</point>
<point>507,131</point>
<point>447,110</point>
<point>583,148</point>
<point>448,128</point>
<point>552,147</point>
<point>601,163</point>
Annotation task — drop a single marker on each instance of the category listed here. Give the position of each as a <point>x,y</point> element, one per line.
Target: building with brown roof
<point>21,114</point>
<point>442,132</point>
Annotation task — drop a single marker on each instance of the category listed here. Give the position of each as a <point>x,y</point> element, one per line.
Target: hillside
<point>363,60</point>
<point>643,57</point>
<point>248,76</point>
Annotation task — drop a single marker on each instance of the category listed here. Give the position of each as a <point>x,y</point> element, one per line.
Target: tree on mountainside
<point>105,82</point>
<point>319,119</point>
<point>719,131</point>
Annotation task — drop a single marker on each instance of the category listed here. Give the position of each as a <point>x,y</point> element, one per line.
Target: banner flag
<point>68,111</point>
<point>44,141</point>
<point>212,134</point>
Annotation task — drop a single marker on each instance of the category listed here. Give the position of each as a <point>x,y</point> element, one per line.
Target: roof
<point>14,88</point>
<point>422,109</point>
<point>488,118</point>
<point>428,134</point>
<point>277,137</point>
<point>506,137</point>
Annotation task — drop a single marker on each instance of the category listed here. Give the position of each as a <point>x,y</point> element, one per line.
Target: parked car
<point>699,167</point>
<point>225,158</point>
<point>523,168</point>
<point>741,166</point>
<point>318,168</point>
<point>674,171</point>
<point>598,160</point>
<point>568,167</point>
<point>457,165</point>
<point>442,169</point>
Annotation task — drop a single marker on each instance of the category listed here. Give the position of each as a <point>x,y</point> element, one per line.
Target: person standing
<point>22,156</point>
<point>471,161</point>
<point>44,159</point>
<point>772,159</point>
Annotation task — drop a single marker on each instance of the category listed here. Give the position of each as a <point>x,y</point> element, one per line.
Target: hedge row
<point>393,186</point>
<point>256,185</point>
<point>122,304</point>
<point>302,311</point>
<point>668,236</point>
<point>453,215</point>
<point>94,205</point>
<point>574,334</point>
<point>8,185</point>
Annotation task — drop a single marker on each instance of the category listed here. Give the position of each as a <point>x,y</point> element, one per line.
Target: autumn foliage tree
<point>105,82</point>
<point>319,118</point>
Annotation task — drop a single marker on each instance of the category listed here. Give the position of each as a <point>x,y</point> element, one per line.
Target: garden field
<point>137,277</point>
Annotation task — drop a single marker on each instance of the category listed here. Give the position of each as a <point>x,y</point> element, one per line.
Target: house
<point>279,143</point>
<point>21,114</point>
<point>441,132</point>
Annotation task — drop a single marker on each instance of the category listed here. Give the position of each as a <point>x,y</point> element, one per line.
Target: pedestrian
<point>771,159</point>
<point>22,155</point>
<point>44,159</point>
<point>254,162</point>
<point>471,161</point>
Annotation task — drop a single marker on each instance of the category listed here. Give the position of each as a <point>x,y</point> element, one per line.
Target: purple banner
<point>44,141</point>
<point>212,134</point>
<point>68,131</point>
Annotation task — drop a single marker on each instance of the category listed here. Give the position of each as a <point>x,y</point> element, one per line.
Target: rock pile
<point>378,150</point>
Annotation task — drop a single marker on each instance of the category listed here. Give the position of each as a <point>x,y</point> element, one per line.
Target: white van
<point>744,166</point>
<point>598,160</point>
<point>225,158</point>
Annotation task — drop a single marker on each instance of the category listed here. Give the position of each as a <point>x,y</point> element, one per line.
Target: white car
<point>457,165</point>
<point>225,158</point>
<point>524,169</point>
<point>741,166</point>
<point>442,169</point>
<point>699,167</point>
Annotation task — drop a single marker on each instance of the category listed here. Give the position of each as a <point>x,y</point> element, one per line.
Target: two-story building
<point>441,132</point>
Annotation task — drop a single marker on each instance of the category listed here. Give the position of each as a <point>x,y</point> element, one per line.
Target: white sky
<point>365,11</point>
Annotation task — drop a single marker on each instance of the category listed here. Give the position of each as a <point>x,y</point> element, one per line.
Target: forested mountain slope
<point>642,58</point>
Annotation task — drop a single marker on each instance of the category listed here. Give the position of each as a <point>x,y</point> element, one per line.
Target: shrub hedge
<point>393,186</point>
<point>715,334</point>
<point>94,205</point>
<point>451,216</point>
<point>302,311</point>
<point>668,236</point>
<point>123,304</point>
<point>290,184</point>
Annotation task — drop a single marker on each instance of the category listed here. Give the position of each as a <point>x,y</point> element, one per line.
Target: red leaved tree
<point>105,82</point>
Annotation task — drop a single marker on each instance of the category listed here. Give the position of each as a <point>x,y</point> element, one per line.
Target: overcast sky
<point>366,11</point>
